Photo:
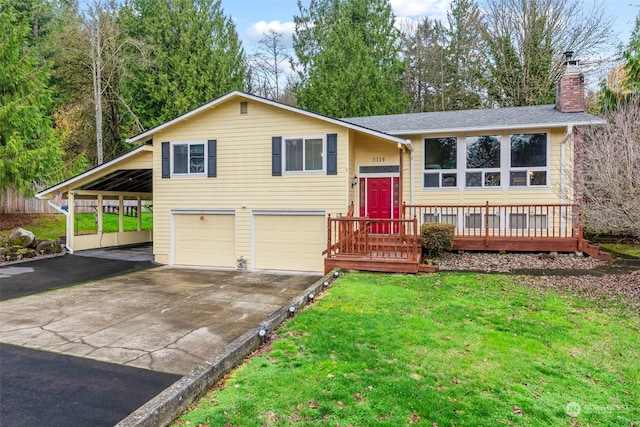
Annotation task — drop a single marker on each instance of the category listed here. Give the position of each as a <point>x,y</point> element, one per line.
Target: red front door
<point>381,201</point>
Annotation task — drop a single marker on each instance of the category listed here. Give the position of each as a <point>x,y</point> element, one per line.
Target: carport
<point>125,178</point>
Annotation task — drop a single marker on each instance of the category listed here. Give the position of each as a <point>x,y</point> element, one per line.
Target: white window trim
<point>189,144</point>
<point>505,163</point>
<point>528,169</point>
<point>304,172</point>
<point>459,157</point>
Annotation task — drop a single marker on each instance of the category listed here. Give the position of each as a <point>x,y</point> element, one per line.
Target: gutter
<point>66,213</point>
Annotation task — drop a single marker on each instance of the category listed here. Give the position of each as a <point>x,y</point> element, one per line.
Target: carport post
<point>139,212</point>
<point>99,209</point>
<point>121,213</point>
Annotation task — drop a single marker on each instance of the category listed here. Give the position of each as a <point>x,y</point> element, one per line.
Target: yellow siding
<point>244,180</point>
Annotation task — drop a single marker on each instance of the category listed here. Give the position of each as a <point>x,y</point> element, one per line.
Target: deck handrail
<point>534,220</point>
<point>372,237</point>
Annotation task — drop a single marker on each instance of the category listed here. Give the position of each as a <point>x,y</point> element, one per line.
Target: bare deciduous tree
<point>95,53</point>
<point>526,39</point>
<point>268,76</point>
<point>611,167</point>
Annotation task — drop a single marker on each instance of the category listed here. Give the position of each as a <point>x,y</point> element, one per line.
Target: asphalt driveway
<point>17,280</point>
<point>149,327</point>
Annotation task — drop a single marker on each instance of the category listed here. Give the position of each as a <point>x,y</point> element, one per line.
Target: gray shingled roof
<point>449,121</point>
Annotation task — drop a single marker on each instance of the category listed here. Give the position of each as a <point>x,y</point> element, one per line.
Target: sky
<point>253,18</point>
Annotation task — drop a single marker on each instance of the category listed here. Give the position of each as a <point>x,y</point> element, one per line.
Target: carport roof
<point>108,177</point>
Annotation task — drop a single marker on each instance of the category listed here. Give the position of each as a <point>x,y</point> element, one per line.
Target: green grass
<point>447,349</point>
<point>52,226</point>
<point>622,249</point>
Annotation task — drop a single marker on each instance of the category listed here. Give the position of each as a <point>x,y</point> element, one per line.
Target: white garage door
<point>289,242</point>
<point>202,239</point>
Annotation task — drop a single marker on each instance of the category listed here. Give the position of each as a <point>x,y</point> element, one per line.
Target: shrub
<point>437,238</point>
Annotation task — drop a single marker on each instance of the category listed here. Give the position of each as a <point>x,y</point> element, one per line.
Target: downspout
<point>563,164</point>
<point>67,226</point>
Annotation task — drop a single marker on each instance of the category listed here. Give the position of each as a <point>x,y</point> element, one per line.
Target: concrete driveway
<point>164,319</point>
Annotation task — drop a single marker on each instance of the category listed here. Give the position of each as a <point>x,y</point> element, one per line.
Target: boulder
<point>45,247</point>
<point>21,237</point>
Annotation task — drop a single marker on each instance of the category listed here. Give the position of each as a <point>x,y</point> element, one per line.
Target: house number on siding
<point>378,159</point>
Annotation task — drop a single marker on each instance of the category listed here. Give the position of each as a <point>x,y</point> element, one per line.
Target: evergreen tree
<point>424,47</point>
<point>196,53</point>
<point>463,67</point>
<point>623,83</point>
<point>30,154</point>
<point>349,58</point>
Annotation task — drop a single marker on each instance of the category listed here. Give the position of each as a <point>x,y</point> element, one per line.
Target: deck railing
<point>392,239</point>
<point>518,221</point>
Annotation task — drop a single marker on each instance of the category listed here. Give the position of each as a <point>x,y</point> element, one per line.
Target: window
<point>477,220</point>
<point>533,221</point>
<point>304,154</point>
<point>189,158</point>
<point>529,160</point>
<point>486,161</point>
<point>483,161</point>
<point>443,218</point>
<point>440,162</point>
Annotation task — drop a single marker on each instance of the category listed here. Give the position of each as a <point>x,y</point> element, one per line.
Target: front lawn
<point>440,350</point>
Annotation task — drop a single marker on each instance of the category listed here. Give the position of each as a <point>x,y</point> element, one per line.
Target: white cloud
<point>435,9</point>
<point>260,28</point>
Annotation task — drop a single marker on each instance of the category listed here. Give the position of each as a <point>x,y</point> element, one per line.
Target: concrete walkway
<point>164,319</point>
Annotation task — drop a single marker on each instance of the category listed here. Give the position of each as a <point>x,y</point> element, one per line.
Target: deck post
<point>416,236</point>
<point>580,238</point>
<point>486,224</point>
<point>329,236</point>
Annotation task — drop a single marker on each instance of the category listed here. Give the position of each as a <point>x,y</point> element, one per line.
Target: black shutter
<point>212,158</point>
<point>166,161</point>
<point>276,156</point>
<point>332,154</point>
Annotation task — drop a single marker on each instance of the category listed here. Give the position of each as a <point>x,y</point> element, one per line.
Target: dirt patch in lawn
<point>11,221</point>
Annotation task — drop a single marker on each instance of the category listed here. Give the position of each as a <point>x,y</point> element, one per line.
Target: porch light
<point>354,181</point>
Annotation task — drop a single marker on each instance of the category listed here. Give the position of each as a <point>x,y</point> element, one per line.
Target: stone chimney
<point>570,87</point>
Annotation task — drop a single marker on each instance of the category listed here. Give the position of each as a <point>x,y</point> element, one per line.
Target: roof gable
<point>238,94</point>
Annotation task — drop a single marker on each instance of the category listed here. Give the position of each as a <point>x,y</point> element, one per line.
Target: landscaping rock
<point>21,237</point>
<point>46,247</point>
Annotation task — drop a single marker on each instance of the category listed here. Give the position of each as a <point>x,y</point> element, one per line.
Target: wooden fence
<point>12,203</point>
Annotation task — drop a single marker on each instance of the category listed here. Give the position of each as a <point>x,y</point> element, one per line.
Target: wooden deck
<point>393,245</point>
<point>515,228</point>
<point>373,245</point>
